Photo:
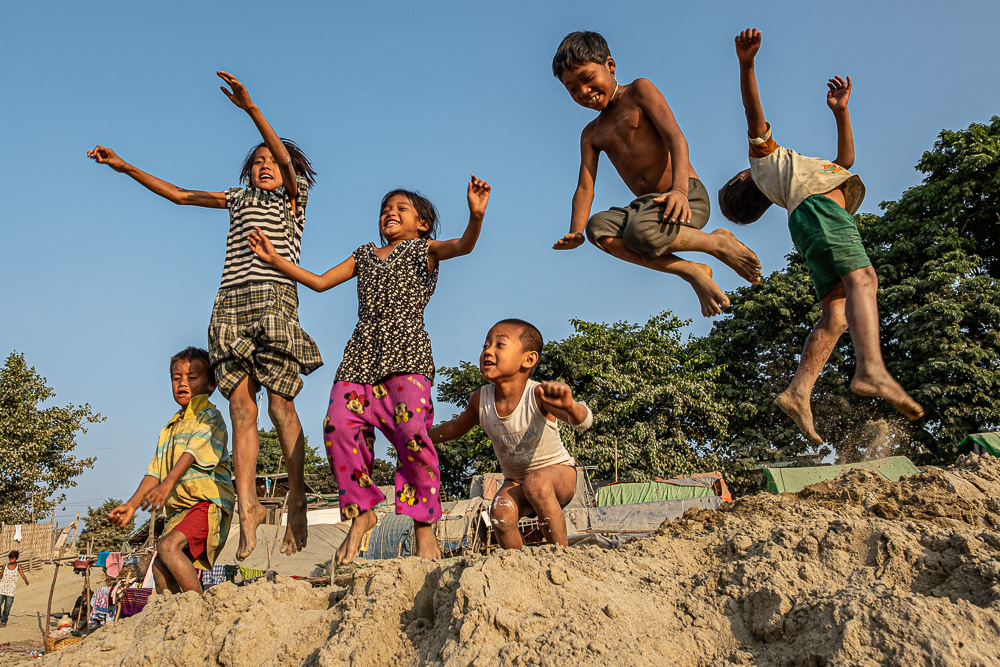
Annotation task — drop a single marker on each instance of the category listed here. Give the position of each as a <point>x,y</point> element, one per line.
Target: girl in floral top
<point>385,377</point>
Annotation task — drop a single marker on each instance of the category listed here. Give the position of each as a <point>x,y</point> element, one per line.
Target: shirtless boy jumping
<point>637,130</point>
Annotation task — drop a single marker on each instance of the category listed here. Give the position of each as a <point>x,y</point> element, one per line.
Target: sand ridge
<point>854,571</point>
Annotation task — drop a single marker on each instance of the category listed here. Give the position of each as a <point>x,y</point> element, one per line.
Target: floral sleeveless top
<point>392,293</point>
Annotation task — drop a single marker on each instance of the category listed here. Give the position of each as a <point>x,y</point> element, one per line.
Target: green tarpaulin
<point>648,492</point>
<point>981,443</point>
<point>793,480</point>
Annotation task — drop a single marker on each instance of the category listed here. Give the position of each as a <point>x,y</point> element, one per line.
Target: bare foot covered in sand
<point>297,530</point>
<point>734,254</point>
<point>800,411</point>
<point>713,299</point>
<point>886,388</point>
<point>251,516</point>
<point>427,546</point>
<point>348,549</point>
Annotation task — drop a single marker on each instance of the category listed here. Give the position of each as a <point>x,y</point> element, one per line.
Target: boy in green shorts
<point>821,197</point>
<point>637,130</point>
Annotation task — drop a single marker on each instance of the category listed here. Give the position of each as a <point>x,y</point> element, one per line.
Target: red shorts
<point>195,528</point>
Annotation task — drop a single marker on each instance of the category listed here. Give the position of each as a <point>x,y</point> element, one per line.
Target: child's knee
<point>280,410</point>
<point>503,513</point>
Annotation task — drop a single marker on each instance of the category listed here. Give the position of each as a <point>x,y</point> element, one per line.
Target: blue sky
<point>103,281</point>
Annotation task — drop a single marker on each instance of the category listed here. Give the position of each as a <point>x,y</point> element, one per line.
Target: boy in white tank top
<point>519,416</point>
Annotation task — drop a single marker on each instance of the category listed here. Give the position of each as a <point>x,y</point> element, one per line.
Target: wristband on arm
<point>587,422</point>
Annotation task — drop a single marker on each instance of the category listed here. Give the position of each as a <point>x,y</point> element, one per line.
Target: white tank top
<point>524,440</point>
<point>8,583</point>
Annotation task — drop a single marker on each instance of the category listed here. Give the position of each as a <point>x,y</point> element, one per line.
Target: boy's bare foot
<point>801,413</point>
<point>297,530</point>
<point>734,254</point>
<point>427,546</point>
<point>886,388</point>
<point>713,299</point>
<point>348,549</point>
<point>251,516</point>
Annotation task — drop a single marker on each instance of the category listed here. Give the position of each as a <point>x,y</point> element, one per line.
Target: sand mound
<point>854,571</point>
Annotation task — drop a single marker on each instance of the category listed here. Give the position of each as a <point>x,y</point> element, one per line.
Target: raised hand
<point>838,94</point>
<point>747,45</point>
<point>479,196</point>
<point>121,515</point>
<point>557,394</point>
<point>239,95</point>
<point>676,207</point>
<point>105,155</point>
<point>570,241</point>
<point>262,246</point>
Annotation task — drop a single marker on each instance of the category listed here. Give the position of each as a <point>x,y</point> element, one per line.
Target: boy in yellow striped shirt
<point>191,476</point>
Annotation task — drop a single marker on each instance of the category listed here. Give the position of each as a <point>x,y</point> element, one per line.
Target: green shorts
<point>828,238</point>
<point>255,332</point>
<point>641,225</point>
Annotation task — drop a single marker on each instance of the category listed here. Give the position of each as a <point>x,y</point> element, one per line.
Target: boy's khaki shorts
<point>641,226</point>
<point>827,237</point>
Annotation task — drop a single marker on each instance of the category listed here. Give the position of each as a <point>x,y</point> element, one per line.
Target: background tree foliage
<point>36,444</point>
<point>106,535</point>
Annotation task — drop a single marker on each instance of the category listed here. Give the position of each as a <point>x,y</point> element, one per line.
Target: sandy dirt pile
<point>856,571</point>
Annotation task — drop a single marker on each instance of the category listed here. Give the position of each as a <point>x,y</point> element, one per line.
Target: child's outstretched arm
<point>263,248</point>
<point>479,197</point>
<point>747,46</point>
<point>152,494</point>
<point>837,96</point>
<point>460,424</point>
<point>583,198</point>
<point>556,399</point>
<point>241,98</point>
<point>169,191</point>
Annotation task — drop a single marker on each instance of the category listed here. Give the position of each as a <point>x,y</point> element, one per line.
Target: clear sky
<point>103,281</point>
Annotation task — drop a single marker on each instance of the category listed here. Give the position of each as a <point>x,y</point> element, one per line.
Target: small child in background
<point>519,416</point>
<point>641,137</point>
<point>8,585</point>
<point>821,197</point>
<point>190,476</point>
<point>384,381</point>
<point>254,335</point>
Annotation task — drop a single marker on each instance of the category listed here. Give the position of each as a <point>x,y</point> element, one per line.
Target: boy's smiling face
<point>591,85</point>
<point>264,172</point>
<point>503,354</point>
<point>189,378</point>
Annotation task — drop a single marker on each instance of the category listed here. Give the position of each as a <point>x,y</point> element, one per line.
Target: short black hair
<point>300,163</point>
<point>741,201</point>
<point>529,335</point>
<point>14,553</point>
<point>195,353</point>
<point>578,48</point>
<point>425,209</point>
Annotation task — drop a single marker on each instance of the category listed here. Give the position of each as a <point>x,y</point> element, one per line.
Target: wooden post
<point>52,538</point>
<point>52,588</point>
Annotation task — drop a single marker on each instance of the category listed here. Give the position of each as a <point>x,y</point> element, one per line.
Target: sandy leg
<point>297,531</point>
<point>734,254</point>
<point>798,408</point>
<point>427,546</point>
<point>251,516</point>
<point>348,549</point>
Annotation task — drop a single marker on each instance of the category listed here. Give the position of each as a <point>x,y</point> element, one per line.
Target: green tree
<point>36,444</point>
<point>651,396</point>
<point>270,461</point>
<point>106,535</point>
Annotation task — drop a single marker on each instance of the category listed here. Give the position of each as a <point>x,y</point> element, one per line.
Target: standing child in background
<point>637,130</point>
<point>384,381</point>
<point>821,197</point>
<point>538,472</point>
<point>254,335</point>
<point>191,476</point>
<point>8,585</point>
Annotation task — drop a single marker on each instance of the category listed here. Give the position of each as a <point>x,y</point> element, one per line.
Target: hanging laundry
<point>113,563</point>
<point>147,581</point>
<point>102,559</point>
<point>100,606</point>
<point>17,533</point>
<point>135,600</point>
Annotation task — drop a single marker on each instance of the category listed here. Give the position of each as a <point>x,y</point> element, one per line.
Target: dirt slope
<point>857,571</point>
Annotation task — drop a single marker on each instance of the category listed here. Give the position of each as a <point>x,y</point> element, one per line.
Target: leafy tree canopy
<point>106,535</point>
<point>36,444</point>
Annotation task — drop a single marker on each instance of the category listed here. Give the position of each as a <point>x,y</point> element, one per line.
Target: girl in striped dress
<point>385,378</point>
<point>254,336</point>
